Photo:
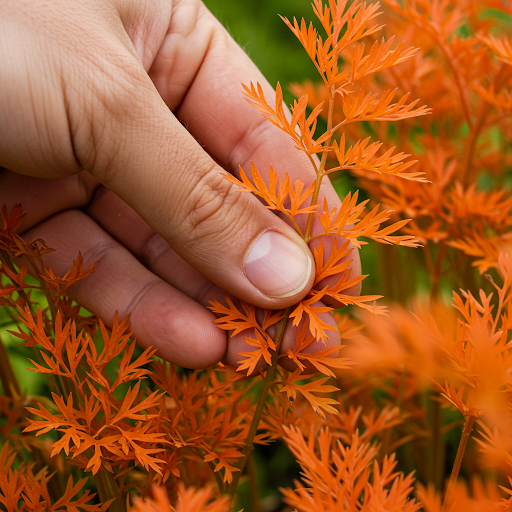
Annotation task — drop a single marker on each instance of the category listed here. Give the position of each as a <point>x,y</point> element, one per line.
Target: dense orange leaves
<point>97,429</point>
<point>189,500</point>
<point>466,80</point>
<point>23,490</point>
<point>458,205</point>
<point>339,478</point>
<point>299,202</point>
<point>479,497</point>
<point>344,227</point>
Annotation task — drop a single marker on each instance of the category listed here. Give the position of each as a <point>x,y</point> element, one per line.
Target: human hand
<point>107,98</point>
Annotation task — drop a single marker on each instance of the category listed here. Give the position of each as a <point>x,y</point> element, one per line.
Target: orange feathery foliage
<point>350,221</point>
<point>189,500</point>
<point>344,478</point>
<point>95,425</point>
<point>466,80</point>
<point>22,490</point>
<point>482,497</point>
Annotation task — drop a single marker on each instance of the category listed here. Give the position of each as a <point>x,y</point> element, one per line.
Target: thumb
<point>135,146</point>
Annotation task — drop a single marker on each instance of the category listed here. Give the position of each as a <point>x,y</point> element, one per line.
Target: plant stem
<point>320,173</point>
<point>49,297</point>
<point>485,110</point>
<point>469,420</point>
<point>437,446</point>
<point>253,484</point>
<point>436,274</point>
<point>108,490</point>
<point>218,478</point>
<point>475,131</point>
<point>450,59</point>
<point>8,378</point>
<point>269,377</point>
<point>5,258</point>
<point>262,399</point>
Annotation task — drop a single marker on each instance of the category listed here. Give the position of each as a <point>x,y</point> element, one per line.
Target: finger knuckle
<point>215,210</point>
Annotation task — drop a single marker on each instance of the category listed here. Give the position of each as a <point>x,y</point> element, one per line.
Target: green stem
<point>320,173</point>
<point>108,490</point>
<point>469,420</point>
<point>8,378</point>
<point>437,460</point>
<point>253,485</point>
<point>218,478</point>
<point>477,128</point>
<point>6,260</point>
<point>262,399</point>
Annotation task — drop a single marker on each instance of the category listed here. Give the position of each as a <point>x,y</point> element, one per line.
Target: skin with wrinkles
<point>107,101</point>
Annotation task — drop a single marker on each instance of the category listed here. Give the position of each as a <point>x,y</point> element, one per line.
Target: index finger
<point>209,102</point>
<point>208,99</point>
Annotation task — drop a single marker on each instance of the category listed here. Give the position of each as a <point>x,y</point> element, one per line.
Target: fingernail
<point>277,266</point>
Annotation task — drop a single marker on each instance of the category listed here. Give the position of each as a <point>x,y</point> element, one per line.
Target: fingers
<point>161,316</point>
<point>123,223</point>
<point>181,193</point>
<point>209,101</point>
<point>42,198</point>
<point>108,119</point>
<point>156,166</point>
<point>127,227</point>
<point>211,104</point>
<point>237,345</point>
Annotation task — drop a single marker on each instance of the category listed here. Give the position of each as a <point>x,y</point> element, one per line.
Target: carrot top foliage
<point>414,101</point>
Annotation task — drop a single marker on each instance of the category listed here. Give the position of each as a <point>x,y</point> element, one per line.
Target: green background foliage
<point>257,28</point>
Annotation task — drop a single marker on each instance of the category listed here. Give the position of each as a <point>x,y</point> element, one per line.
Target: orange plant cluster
<point>370,429</point>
